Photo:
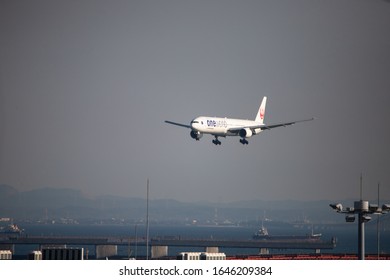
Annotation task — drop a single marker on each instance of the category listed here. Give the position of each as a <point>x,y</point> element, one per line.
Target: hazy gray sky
<point>85,87</point>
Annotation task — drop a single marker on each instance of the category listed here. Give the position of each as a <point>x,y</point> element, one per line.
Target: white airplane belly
<point>219,131</point>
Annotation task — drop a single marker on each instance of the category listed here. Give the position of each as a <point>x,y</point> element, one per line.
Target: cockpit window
<point>195,122</point>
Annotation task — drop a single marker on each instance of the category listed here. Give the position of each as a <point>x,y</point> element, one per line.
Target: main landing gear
<point>216,141</point>
<point>243,141</point>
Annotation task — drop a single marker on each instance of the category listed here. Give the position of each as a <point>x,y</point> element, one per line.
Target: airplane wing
<point>265,126</point>
<point>283,124</point>
<point>178,124</point>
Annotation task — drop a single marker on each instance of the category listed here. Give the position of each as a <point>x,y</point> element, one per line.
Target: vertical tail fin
<point>260,114</point>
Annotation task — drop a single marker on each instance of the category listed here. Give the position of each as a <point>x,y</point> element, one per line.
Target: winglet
<point>261,113</point>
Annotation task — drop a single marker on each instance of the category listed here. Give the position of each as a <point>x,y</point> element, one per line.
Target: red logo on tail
<point>261,113</point>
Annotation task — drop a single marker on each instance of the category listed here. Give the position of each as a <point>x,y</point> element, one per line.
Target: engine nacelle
<point>246,133</point>
<point>196,135</point>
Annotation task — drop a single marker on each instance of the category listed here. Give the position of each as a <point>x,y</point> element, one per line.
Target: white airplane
<point>222,127</point>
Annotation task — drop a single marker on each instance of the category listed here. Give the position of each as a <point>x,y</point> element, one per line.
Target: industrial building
<point>63,254</point>
<point>5,255</point>
<point>35,255</point>
<point>200,256</point>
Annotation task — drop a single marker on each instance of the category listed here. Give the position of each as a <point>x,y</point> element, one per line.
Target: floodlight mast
<point>363,209</point>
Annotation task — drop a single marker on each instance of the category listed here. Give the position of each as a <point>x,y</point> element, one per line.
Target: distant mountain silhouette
<point>7,191</point>
<point>7,196</point>
<point>52,203</point>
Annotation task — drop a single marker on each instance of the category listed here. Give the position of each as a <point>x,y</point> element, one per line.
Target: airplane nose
<point>194,124</point>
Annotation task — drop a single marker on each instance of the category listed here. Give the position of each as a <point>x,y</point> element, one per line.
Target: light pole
<point>363,209</point>
<point>136,241</point>
<point>147,219</point>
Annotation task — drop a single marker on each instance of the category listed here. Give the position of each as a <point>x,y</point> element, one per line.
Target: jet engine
<point>196,135</point>
<point>245,133</point>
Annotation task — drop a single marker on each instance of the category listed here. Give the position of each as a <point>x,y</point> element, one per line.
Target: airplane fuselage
<point>221,126</point>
